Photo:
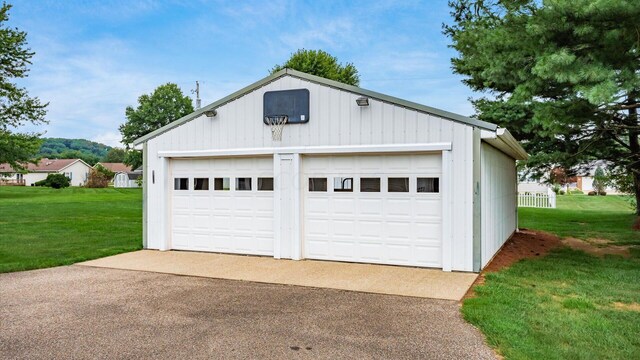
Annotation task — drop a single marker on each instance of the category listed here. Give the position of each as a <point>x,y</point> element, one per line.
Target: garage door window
<point>201,184</point>
<point>342,184</point>
<point>265,184</point>
<point>221,184</point>
<point>428,185</point>
<point>398,185</point>
<point>317,184</point>
<point>181,184</point>
<point>370,184</point>
<point>243,184</point>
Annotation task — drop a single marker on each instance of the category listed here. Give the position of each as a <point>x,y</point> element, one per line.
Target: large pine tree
<point>563,75</point>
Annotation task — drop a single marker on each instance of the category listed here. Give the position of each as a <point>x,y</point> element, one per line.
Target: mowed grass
<point>567,305</point>
<point>585,217</point>
<point>43,227</point>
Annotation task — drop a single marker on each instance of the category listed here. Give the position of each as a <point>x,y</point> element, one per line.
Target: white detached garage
<point>357,176</point>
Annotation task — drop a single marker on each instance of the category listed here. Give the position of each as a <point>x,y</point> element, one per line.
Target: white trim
<point>297,237</point>
<point>446,187</point>
<point>164,203</point>
<point>317,150</point>
<point>502,140</point>
<point>277,206</point>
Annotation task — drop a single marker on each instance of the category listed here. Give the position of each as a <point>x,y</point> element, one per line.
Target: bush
<point>99,177</point>
<point>56,181</point>
<point>560,192</point>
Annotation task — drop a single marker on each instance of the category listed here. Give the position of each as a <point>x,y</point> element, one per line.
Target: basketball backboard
<point>292,103</point>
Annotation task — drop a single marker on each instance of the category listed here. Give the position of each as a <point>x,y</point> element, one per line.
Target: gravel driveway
<point>84,312</point>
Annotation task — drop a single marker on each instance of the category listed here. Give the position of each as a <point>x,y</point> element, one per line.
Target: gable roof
<point>44,165</point>
<point>115,167</point>
<point>326,82</point>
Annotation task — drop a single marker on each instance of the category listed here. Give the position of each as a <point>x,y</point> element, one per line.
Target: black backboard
<point>293,103</point>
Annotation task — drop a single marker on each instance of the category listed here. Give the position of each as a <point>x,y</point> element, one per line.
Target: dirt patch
<point>628,307</point>
<point>598,247</point>
<point>636,226</point>
<point>523,244</point>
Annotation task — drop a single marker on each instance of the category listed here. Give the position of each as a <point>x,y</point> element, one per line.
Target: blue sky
<point>94,58</point>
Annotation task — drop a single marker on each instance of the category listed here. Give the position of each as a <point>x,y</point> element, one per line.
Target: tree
<point>165,105</point>
<point>321,63</point>
<point>99,177</point>
<point>115,155</point>
<point>16,107</point>
<point>600,181</point>
<point>563,76</point>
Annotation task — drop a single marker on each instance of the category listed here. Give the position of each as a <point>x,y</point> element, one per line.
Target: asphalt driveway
<point>85,312</point>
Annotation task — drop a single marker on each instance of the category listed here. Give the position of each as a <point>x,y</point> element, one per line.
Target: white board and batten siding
<point>498,193</point>
<point>453,229</point>
<point>334,119</point>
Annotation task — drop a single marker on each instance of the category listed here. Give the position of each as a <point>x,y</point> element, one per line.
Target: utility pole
<point>197,92</point>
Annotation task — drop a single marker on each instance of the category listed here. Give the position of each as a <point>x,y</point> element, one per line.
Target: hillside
<point>58,148</point>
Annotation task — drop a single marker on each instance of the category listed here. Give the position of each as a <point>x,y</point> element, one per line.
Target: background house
<point>75,169</point>
<point>115,167</point>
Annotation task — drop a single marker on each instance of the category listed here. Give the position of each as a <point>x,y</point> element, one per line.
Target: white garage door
<point>373,209</point>
<point>222,205</point>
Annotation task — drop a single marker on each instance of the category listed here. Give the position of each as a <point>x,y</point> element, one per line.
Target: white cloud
<point>88,86</point>
<point>109,138</point>
<point>338,32</point>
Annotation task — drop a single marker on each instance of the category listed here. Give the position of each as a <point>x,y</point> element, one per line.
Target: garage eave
<point>505,142</point>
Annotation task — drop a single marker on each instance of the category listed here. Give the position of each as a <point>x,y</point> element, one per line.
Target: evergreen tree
<point>563,76</point>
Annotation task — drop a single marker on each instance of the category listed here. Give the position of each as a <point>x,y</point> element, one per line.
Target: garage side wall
<point>499,200</point>
<point>334,120</point>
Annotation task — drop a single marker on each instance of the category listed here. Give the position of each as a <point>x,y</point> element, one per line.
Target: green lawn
<point>567,305</point>
<point>43,227</point>
<point>583,217</point>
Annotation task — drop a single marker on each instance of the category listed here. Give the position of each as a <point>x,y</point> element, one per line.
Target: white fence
<point>537,199</point>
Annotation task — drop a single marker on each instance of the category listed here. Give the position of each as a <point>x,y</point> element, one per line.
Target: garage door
<point>373,209</point>
<point>222,205</point>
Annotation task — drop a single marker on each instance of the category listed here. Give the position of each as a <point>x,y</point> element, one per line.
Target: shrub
<point>592,193</point>
<point>99,177</point>
<point>560,192</point>
<point>56,181</point>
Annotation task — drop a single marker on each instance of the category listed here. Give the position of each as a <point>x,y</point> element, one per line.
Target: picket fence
<point>537,199</point>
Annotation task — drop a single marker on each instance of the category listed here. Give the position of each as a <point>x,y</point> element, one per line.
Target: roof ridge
<point>322,81</point>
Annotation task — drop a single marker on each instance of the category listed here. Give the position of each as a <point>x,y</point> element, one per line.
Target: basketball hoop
<point>276,123</point>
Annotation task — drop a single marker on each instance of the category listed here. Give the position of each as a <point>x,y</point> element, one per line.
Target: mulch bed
<point>523,244</point>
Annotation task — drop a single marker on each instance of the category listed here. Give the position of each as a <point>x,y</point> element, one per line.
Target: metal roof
<point>326,82</point>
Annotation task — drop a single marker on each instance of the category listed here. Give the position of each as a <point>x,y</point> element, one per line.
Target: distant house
<point>75,169</point>
<point>115,167</point>
<point>127,179</point>
<point>584,181</point>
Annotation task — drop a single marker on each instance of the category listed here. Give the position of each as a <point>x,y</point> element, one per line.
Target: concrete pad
<point>379,279</point>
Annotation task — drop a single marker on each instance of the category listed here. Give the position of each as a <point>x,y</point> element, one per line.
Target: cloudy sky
<point>94,58</point>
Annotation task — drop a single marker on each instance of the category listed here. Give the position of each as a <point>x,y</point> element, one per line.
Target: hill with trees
<point>58,148</point>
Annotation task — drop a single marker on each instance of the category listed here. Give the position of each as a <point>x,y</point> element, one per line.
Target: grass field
<point>43,227</point>
<point>584,217</point>
<point>567,305</point>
